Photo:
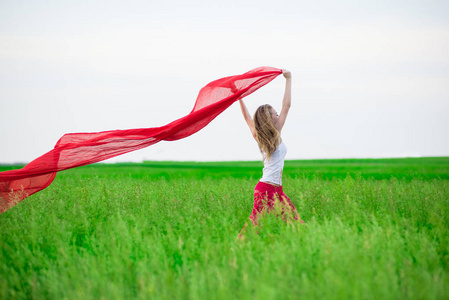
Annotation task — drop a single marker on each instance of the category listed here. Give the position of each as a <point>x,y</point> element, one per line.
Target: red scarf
<point>80,149</point>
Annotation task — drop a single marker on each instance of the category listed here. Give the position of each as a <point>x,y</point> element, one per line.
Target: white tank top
<point>272,169</point>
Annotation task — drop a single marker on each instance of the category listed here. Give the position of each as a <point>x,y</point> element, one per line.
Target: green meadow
<point>375,229</point>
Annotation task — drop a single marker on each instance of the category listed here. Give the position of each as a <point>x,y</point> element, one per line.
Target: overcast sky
<point>370,78</point>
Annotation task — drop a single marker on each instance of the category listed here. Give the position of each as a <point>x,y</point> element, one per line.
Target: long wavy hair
<point>267,135</point>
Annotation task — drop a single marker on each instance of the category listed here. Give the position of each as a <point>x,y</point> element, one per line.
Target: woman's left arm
<point>248,118</point>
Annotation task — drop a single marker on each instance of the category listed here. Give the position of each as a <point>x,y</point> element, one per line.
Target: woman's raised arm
<point>248,118</point>
<point>287,101</point>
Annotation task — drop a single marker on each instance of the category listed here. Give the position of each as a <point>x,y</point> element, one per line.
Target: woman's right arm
<point>248,118</point>
<point>286,101</point>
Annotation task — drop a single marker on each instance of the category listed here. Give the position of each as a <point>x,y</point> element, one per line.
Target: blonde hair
<point>267,135</point>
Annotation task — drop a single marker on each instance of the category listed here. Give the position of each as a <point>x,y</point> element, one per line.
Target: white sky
<point>370,78</point>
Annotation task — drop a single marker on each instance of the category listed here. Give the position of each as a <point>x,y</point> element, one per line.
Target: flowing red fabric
<point>79,149</point>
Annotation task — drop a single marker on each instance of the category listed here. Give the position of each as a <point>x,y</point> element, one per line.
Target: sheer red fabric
<point>79,149</point>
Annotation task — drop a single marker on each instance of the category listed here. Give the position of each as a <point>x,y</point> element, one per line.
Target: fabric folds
<point>79,149</point>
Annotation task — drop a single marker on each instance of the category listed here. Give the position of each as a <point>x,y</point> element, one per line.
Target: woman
<point>266,129</point>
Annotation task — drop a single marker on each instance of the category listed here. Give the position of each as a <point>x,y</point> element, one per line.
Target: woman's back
<point>272,171</point>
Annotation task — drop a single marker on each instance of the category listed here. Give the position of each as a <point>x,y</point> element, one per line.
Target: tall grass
<point>115,235</point>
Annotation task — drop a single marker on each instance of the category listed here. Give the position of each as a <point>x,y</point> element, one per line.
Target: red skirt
<point>265,196</point>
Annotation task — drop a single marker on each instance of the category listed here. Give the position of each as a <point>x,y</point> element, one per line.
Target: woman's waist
<point>269,184</point>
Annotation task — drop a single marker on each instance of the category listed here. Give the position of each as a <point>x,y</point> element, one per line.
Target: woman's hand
<point>287,74</point>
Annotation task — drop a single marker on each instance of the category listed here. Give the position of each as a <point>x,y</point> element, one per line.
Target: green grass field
<point>375,229</point>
